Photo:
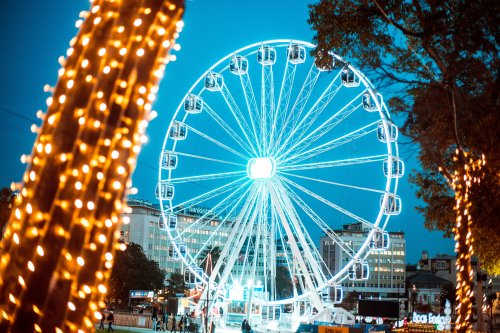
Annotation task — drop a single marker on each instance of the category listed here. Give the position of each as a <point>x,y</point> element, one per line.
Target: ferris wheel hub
<point>261,168</point>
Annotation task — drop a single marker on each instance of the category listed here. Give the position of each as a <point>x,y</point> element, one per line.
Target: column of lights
<point>467,175</point>
<point>59,245</point>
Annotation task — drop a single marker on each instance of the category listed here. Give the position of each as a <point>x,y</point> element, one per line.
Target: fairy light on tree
<point>467,175</point>
<point>59,244</point>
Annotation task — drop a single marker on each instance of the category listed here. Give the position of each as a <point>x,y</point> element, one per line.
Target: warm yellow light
<point>115,154</point>
<point>116,185</point>
<point>123,51</point>
<point>39,250</point>
<point>85,63</point>
<point>102,106</point>
<point>21,281</point>
<point>85,41</point>
<point>71,306</point>
<point>101,52</point>
<point>106,69</point>
<point>80,261</point>
<point>140,52</point>
<point>90,205</point>
<point>102,238</point>
<point>102,289</point>
<point>78,203</point>
<point>86,289</point>
<point>137,22</point>
<point>15,237</point>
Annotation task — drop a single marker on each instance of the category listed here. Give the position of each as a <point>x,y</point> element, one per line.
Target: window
<point>440,264</point>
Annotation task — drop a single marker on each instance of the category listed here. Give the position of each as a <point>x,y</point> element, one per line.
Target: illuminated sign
<point>442,322</point>
<point>141,294</point>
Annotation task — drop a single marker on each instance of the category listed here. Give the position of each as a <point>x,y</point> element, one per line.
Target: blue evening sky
<point>34,34</point>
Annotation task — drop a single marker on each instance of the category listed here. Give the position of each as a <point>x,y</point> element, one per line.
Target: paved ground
<point>149,330</point>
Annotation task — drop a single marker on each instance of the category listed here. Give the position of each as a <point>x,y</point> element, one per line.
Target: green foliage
<point>441,61</point>
<point>175,285</point>
<point>6,203</point>
<point>134,271</point>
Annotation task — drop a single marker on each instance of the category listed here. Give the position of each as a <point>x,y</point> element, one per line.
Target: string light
<point>65,220</point>
<point>467,175</point>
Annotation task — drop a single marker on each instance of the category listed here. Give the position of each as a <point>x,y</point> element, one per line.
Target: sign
<point>332,329</point>
<point>141,294</point>
<point>441,321</point>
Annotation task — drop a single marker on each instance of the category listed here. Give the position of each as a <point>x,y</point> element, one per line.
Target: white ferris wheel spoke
<point>300,103</point>
<point>218,143</point>
<point>284,98</point>
<point>328,203</point>
<point>234,243</point>
<point>337,142</point>
<point>316,109</point>
<point>307,245</point>
<point>210,194</point>
<point>303,142</point>
<point>281,207</point>
<point>228,130</point>
<point>318,220</point>
<point>208,159</point>
<point>201,220</point>
<point>367,189</point>
<point>238,116</point>
<point>267,103</point>
<point>335,163</point>
<point>212,176</point>
<point>253,110</point>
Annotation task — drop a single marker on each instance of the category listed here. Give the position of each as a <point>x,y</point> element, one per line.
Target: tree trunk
<point>59,245</point>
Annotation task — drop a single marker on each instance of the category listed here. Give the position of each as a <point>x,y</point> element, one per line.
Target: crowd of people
<point>162,321</point>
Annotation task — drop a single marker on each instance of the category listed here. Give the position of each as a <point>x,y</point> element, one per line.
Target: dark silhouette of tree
<point>350,302</point>
<point>7,198</point>
<point>175,285</point>
<point>447,294</point>
<point>284,286</point>
<point>441,62</point>
<point>134,271</point>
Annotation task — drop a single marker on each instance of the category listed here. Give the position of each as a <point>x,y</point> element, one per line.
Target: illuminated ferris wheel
<point>279,152</point>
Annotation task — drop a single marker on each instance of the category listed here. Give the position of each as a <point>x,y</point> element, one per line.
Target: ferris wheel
<point>278,152</point>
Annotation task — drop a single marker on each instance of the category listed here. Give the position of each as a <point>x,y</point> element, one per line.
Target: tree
<point>175,285</point>
<point>441,59</point>
<point>284,286</point>
<point>7,198</point>
<point>350,302</point>
<point>447,294</point>
<point>134,271</point>
<point>444,59</point>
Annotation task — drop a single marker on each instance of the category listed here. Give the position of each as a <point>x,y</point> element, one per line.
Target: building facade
<point>143,229</point>
<point>387,272</point>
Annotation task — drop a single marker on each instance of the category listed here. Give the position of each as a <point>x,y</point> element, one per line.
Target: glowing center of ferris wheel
<point>261,168</point>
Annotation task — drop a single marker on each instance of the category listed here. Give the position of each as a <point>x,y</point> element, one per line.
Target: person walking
<point>111,320</point>
<point>181,324</point>
<point>173,328</point>
<point>244,326</point>
<point>154,316</point>
<point>248,328</point>
<point>164,320</point>
<point>103,318</point>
